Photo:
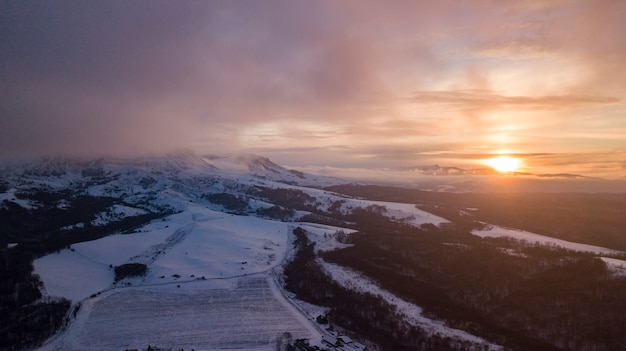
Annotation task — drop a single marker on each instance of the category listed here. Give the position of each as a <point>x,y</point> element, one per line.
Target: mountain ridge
<point>208,219</point>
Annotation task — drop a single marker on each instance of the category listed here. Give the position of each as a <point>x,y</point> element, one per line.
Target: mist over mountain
<point>365,175</point>
<point>458,179</point>
<point>156,239</point>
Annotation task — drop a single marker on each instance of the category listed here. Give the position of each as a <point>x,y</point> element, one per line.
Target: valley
<point>240,244</point>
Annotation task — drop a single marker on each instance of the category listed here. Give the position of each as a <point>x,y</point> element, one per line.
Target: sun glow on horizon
<point>504,164</point>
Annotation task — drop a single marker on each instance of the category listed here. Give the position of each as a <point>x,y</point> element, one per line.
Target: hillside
<point>209,243</point>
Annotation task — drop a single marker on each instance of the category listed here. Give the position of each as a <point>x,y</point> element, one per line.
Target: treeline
<point>365,314</point>
<point>287,198</point>
<point>235,203</point>
<point>535,298</point>
<point>129,270</point>
<point>589,218</point>
<point>49,227</point>
<point>18,224</point>
<point>25,320</point>
<point>58,239</point>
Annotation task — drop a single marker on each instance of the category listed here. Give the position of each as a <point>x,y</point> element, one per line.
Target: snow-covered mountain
<point>61,170</point>
<point>150,183</point>
<point>220,223</point>
<point>213,235</point>
<point>58,197</point>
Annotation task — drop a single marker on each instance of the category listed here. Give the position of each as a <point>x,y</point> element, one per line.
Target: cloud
<point>599,164</point>
<point>472,100</point>
<point>513,49</point>
<point>151,75</point>
<point>147,76</point>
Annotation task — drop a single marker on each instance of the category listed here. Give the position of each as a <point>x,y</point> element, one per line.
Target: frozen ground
<point>84,269</point>
<point>495,231</point>
<point>210,283</point>
<point>187,246</point>
<point>221,245</point>
<point>74,277</point>
<point>248,314</point>
<point>210,286</point>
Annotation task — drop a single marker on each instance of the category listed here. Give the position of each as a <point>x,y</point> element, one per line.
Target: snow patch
<point>618,267</point>
<point>116,213</point>
<point>10,197</point>
<point>224,246</point>
<point>412,313</point>
<point>73,226</point>
<point>493,231</point>
<point>326,237</point>
<point>72,276</point>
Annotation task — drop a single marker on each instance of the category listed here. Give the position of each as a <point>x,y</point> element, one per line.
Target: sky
<point>358,84</point>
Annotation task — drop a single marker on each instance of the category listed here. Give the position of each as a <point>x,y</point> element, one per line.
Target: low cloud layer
<point>359,82</point>
<point>476,100</point>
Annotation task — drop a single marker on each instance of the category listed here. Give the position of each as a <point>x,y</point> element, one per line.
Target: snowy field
<point>493,231</point>
<point>210,282</point>
<point>402,212</point>
<point>84,270</point>
<point>187,246</point>
<point>408,213</point>
<point>209,285</point>
<point>250,314</point>
<point>220,246</point>
<point>74,277</point>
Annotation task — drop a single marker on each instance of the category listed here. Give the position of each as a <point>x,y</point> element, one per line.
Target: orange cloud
<point>119,77</point>
<point>470,100</point>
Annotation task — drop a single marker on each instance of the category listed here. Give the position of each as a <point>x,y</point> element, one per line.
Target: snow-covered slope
<point>218,235</point>
<point>242,184</point>
<point>532,238</point>
<point>198,238</point>
<point>210,274</point>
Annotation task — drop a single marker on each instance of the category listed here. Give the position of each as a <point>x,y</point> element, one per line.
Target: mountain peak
<point>259,163</point>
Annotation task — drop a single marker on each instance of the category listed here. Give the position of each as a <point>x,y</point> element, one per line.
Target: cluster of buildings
<point>155,348</point>
<point>330,342</point>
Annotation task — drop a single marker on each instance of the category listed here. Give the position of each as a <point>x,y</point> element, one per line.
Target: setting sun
<point>504,164</point>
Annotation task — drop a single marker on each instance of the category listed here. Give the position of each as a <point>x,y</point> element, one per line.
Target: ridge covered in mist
<point>77,235</point>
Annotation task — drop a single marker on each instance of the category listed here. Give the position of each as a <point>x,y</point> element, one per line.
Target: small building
<point>344,339</point>
<point>338,342</point>
<point>330,341</point>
